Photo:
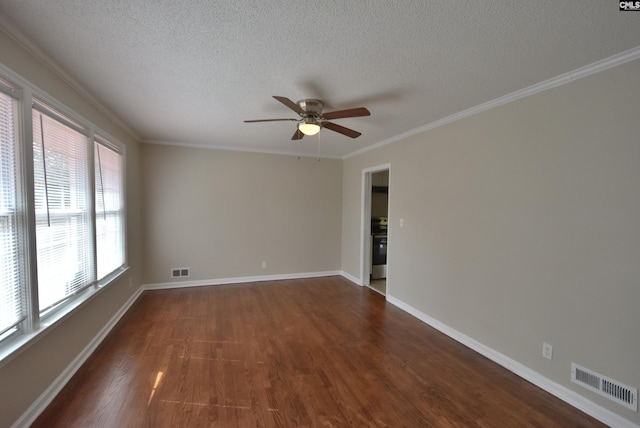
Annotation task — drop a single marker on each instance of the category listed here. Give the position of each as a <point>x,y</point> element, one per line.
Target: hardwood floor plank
<point>313,352</point>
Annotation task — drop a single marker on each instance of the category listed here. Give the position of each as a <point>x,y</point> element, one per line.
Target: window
<point>64,237</point>
<point>12,301</point>
<point>62,213</point>
<point>109,207</point>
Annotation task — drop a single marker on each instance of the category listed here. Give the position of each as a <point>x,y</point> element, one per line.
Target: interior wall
<point>222,213</point>
<point>25,377</point>
<point>521,225</point>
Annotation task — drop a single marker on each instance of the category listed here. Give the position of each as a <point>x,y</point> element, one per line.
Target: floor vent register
<point>607,387</point>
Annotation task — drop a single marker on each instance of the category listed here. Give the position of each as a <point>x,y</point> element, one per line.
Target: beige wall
<point>522,225</point>
<point>26,376</point>
<point>222,213</point>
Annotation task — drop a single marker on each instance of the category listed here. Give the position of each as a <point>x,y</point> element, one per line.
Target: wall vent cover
<point>607,387</point>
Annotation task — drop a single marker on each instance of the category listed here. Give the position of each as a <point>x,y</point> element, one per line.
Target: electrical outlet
<point>180,272</point>
<point>264,265</point>
<point>547,351</point>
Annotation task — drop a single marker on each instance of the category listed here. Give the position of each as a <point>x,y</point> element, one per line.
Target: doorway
<point>375,220</point>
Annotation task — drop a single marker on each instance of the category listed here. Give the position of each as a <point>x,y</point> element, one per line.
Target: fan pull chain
<point>319,144</point>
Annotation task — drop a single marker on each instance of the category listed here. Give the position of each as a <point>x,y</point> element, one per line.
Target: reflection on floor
<point>379,285</point>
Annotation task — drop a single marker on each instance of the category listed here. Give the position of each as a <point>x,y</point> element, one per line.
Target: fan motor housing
<point>311,106</point>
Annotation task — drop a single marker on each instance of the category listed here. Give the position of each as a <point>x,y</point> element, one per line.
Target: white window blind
<point>64,219</point>
<point>109,207</point>
<point>62,212</point>
<point>12,307</point>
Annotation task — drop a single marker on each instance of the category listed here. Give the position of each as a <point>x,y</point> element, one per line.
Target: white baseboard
<point>576,400</point>
<point>238,280</point>
<point>351,278</point>
<point>38,406</point>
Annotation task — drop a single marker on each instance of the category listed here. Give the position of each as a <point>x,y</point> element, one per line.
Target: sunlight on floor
<point>155,386</point>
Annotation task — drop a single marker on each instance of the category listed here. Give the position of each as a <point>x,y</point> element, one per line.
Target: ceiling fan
<point>312,119</point>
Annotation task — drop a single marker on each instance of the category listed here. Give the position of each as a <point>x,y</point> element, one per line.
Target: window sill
<point>13,346</point>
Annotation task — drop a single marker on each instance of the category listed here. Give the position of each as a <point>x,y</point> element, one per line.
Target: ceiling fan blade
<point>268,120</point>
<point>297,135</point>
<point>352,112</point>
<point>341,129</point>
<point>293,106</point>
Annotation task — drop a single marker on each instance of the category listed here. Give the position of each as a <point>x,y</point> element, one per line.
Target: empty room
<point>338,213</point>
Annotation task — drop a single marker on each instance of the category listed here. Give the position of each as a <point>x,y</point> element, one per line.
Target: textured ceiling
<point>189,72</point>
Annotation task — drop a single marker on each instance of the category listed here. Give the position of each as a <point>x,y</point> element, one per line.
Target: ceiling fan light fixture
<point>309,127</point>
<point>312,120</point>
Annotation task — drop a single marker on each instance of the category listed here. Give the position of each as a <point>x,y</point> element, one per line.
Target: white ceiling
<point>190,71</point>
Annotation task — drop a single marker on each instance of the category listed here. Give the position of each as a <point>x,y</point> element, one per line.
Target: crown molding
<point>596,67</point>
<point>238,149</point>
<point>12,30</point>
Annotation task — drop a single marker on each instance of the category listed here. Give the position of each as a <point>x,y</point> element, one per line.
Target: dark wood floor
<point>300,353</point>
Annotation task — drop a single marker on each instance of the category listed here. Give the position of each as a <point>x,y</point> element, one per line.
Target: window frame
<point>120,213</point>
<point>14,214</point>
<point>37,324</point>
<point>65,235</point>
